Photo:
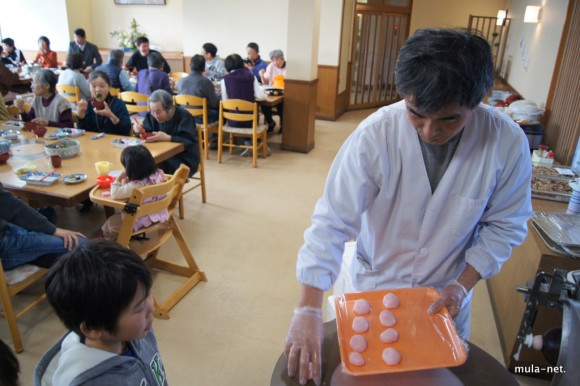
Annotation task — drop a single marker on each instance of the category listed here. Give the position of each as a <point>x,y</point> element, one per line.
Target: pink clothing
<point>120,191</point>
<point>272,71</point>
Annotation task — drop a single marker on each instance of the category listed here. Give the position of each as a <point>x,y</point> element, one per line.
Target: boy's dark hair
<point>140,40</point>
<point>9,366</point>
<point>8,42</point>
<point>438,67</point>
<point>138,162</point>
<point>254,46</point>
<point>94,283</point>
<point>233,62</point>
<point>75,61</point>
<point>197,63</point>
<point>100,74</point>
<point>210,48</point>
<point>80,33</point>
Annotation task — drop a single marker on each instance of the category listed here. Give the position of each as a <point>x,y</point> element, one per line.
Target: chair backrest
<point>239,110</point>
<point>178,75</point>
<point>114,91</point>
<point>195,105</point>
<point>131,98</point>
<point>71,93</point>
<point>169,191</point>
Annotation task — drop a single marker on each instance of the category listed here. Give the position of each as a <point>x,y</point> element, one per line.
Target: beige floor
<point>230,331</point>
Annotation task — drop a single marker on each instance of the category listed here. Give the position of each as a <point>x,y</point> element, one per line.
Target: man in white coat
<point>435,189</point>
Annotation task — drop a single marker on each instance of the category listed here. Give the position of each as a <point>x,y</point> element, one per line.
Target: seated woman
<point>170,123</point>
<point>153,78</point>
<point>240,83</point>
<point>48,107</point>
<point>109,115</point>
<point>45,57</point>
<point>72,76</point>
<point>276,67</point>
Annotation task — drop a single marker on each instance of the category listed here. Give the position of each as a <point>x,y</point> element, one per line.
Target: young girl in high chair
<point>140,170</point>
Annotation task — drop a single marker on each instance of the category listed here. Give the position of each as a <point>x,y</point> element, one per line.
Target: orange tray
<point>426,341</point>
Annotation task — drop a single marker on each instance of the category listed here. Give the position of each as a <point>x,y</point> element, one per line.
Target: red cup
<point>56,161</point>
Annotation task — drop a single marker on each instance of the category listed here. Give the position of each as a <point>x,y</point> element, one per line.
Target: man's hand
<point>70,238</point>
<point>304,344</point>
<point>451,297</point>
<point>82,107</point>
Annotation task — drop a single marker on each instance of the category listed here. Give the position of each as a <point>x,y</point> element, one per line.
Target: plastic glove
<point>304,344</point>
<point>451,297</point>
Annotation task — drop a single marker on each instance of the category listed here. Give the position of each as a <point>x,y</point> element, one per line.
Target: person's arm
<point>166,85</point>
<point>213,102</point>
<point>258,92</point>
<point>52,60</point>
<point>65,119</point>
<point>120,191</point>
<point>125,83</point>
<point>22,59</point>
<point>166,66</point>
<point>17,212</point>
<point>224,91</point>
<point>123,126</point>
<point>98,58</point>
<point>130,65</point>
<point>28,116</point>
<point>71,46</point>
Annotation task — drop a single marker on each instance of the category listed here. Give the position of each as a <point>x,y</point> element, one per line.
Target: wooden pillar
<point>301,77</point>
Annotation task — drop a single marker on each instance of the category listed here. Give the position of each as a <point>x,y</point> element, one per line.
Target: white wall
<point>231,25</point>
<point>330,25</point>
<point>163,24</point>
<point>49,19</point>
<point>541,42</point>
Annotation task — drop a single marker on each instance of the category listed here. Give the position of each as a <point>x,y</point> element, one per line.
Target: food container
<point>105,181</point>
<point>5,145</point>
<point>10,135</point>
<point>4,157</point>
<point>66,148</point>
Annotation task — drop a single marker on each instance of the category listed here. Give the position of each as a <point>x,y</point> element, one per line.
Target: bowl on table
<point>10,135</point>
<point>105,181</point>
<point>65,148</point>
<point>5,145</point>
<point>29,126</point>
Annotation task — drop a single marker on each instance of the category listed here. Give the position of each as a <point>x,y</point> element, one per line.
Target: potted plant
<point>126,39</point>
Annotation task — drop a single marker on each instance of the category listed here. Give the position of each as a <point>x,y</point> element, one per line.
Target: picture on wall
<point>140,2</point>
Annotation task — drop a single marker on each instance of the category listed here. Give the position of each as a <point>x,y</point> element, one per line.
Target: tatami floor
<point>230,331</point>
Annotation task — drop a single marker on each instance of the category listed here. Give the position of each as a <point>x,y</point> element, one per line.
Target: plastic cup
<point>103,167</point>
<point>56,161</point>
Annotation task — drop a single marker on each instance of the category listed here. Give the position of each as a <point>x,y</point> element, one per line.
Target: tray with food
<point>558,173</point>
<point>40,178</point>
<point>390,331</point>
<point>551,189</point>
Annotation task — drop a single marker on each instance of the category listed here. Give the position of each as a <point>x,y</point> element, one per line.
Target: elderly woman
<point>112,117</point>
<point>153,78</point>
<point>45,57</point>
<point>48,107</point>
<point>72,76</point>
<point>276,67</point>
<point>171,123</point>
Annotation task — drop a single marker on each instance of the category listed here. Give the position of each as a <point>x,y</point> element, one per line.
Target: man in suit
<point>90,52</point>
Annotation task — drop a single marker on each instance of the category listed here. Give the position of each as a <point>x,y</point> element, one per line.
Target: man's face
<point>206,55</point>
<point>80,40</point>
<point>252,54</point>
<point>439,127</point>
<point>144,49</point>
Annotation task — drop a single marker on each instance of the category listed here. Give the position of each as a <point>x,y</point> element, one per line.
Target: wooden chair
<point>188,102</point>
<point>178,75</point>
<point>157,234</point>
<point>30,275</point>
<point>71,93</point>
<point>114,91</point>
<point>198,108</point>
<point>131,98</point>
<point>242,111</point>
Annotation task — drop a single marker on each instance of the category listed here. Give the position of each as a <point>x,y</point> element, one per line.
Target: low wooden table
<point>480,369</point>
<point>91,151</point>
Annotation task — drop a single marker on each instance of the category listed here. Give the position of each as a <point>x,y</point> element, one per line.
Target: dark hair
<point>100,74</point>
<point>9,366</point>
<point>116,56</point>
<point>75,61</point>
<point>140,40</point>
<point>80,32</point>
<point>45,39</point>
<point>197,63</point>
<point>210,48</point>
<point>46,76</point>
<point>8,42</point>
<point>94,283</point>
<point>138,162</point>
<point>438,67</point>
<point>254,46</point>
<point>155,60</point>
<point>234,62</point>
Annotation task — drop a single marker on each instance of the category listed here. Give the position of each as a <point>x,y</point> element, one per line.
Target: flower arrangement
<point>126,39</point>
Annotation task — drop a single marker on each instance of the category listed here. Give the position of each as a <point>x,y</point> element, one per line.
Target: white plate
<point>125,142</point>
<point>77,178</point>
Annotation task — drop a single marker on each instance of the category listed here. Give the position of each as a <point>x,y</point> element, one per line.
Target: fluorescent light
<point>532,14</point>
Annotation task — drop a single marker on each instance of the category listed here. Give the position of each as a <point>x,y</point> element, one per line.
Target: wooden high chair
<point>155,235</point>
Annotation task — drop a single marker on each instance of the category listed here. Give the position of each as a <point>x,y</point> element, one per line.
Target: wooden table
<point>480,369</point>
<point>91,151</point>
<point>271,100</point>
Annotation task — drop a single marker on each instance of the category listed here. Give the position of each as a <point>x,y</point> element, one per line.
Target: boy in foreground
<point>101,292</point>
